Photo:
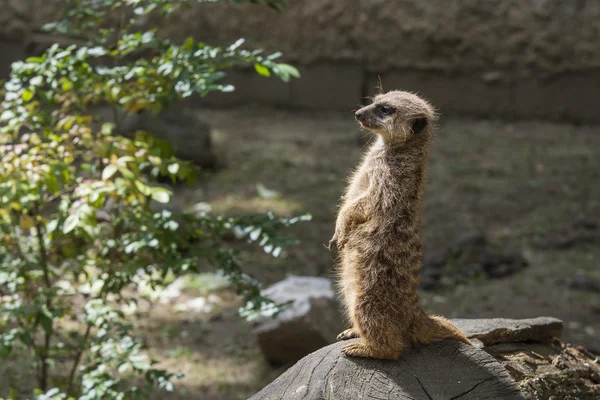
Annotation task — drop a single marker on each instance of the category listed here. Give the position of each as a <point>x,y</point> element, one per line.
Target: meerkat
<point>378,233</point>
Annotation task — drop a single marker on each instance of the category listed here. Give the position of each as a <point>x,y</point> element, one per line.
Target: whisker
<point>367,142</point>
<point>380,84</point>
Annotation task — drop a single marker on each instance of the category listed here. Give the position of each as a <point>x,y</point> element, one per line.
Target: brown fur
<point>378,233</point>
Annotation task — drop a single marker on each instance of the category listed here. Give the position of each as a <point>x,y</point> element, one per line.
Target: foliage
<point>79,225</point>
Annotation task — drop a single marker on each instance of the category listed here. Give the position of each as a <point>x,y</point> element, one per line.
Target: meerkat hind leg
<point>350,333</point>
<point>364,350</point>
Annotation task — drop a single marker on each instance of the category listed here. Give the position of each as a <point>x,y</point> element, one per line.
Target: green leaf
<point>70,223</point>
<point>126,172</point>
<point>289,69</point>
<point>36,80</point>
<point>293,71</point>
<point>161,195</point>
<point>52,184</point>
<point>122,368</point>
<point>51,226</point>
<point>35,60</point>
<point>6,115</point>
<point>262,70</point>
<point>45,319</point>
<point>69,250</point>
<point>144,189</point>
<point>66,85</point>
<point>107,128</point>
<point>189,43</point>
<point>27,95</point>
<point>173,168</point>
<point>109,171</point>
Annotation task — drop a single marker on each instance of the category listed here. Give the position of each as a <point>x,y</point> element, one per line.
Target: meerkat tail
<point>435,328</point>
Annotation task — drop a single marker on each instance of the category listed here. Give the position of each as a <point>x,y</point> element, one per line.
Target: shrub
<point>79,231</point>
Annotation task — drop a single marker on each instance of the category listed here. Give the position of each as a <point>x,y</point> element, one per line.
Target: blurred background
<point>512,212</point>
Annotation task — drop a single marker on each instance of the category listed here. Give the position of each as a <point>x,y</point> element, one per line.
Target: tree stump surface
<point>446,370</point>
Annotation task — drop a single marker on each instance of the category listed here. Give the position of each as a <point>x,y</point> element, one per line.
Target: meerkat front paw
<point>332,243</point>
<point>365,351</point>
<point>348,334</point>
<point>338,241</point>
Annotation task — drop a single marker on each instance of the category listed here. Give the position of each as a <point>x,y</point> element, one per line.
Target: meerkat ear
<point>418,125</point>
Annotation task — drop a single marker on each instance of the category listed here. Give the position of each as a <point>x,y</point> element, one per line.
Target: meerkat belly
<point>350,278</point>
<point>374,258</point>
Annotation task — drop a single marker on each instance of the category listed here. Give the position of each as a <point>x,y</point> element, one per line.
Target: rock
<point>10,50</point>
<point>311,321</point>
<point>567,240</point>
<point>584,283</point>
<point>189,137</point>
<point>19,8</point>
<point>500,330</point>
<point>500,265</point>
<point>583,230</point>
<point>16,28</point>
<point>440,371</point>
<point>468,256</point>
<point>435,261</point>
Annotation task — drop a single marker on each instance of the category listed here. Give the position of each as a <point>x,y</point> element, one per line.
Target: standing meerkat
<point>378,233</point>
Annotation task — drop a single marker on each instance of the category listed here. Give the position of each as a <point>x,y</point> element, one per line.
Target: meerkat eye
<point>385,110</point>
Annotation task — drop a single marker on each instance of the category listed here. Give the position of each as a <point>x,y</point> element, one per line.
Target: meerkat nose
<point>357,115</point>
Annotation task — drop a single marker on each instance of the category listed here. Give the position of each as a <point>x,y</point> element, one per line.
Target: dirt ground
<point>519,183</point>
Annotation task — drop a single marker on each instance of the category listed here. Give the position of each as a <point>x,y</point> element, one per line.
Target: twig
<point>48,283</point>
<point>71,378</point>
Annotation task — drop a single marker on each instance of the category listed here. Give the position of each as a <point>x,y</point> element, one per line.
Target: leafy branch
<point>78,222</point>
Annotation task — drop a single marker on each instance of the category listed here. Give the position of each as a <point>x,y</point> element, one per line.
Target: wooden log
<point>446,370</point>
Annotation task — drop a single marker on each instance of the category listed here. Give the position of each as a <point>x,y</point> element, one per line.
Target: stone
<point>584,283</point>
<point>311,320</point>
<point>460,54</point>
<point>439,371</point>
<point>189,137</point>
<point>331,87</point>
<point>434,261</point>
<point>469,255</point>
<point>499,265</point>
<point>10,51</point>
<point>249,87</point>
<point>37,43</point>
<point>441,90</point>
<point>19,8</point>
<point>584,230</point>
<point>500,330</point>
<point>16,28</point>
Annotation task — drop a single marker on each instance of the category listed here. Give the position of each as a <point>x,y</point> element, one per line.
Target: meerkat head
<point>397,116</point>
